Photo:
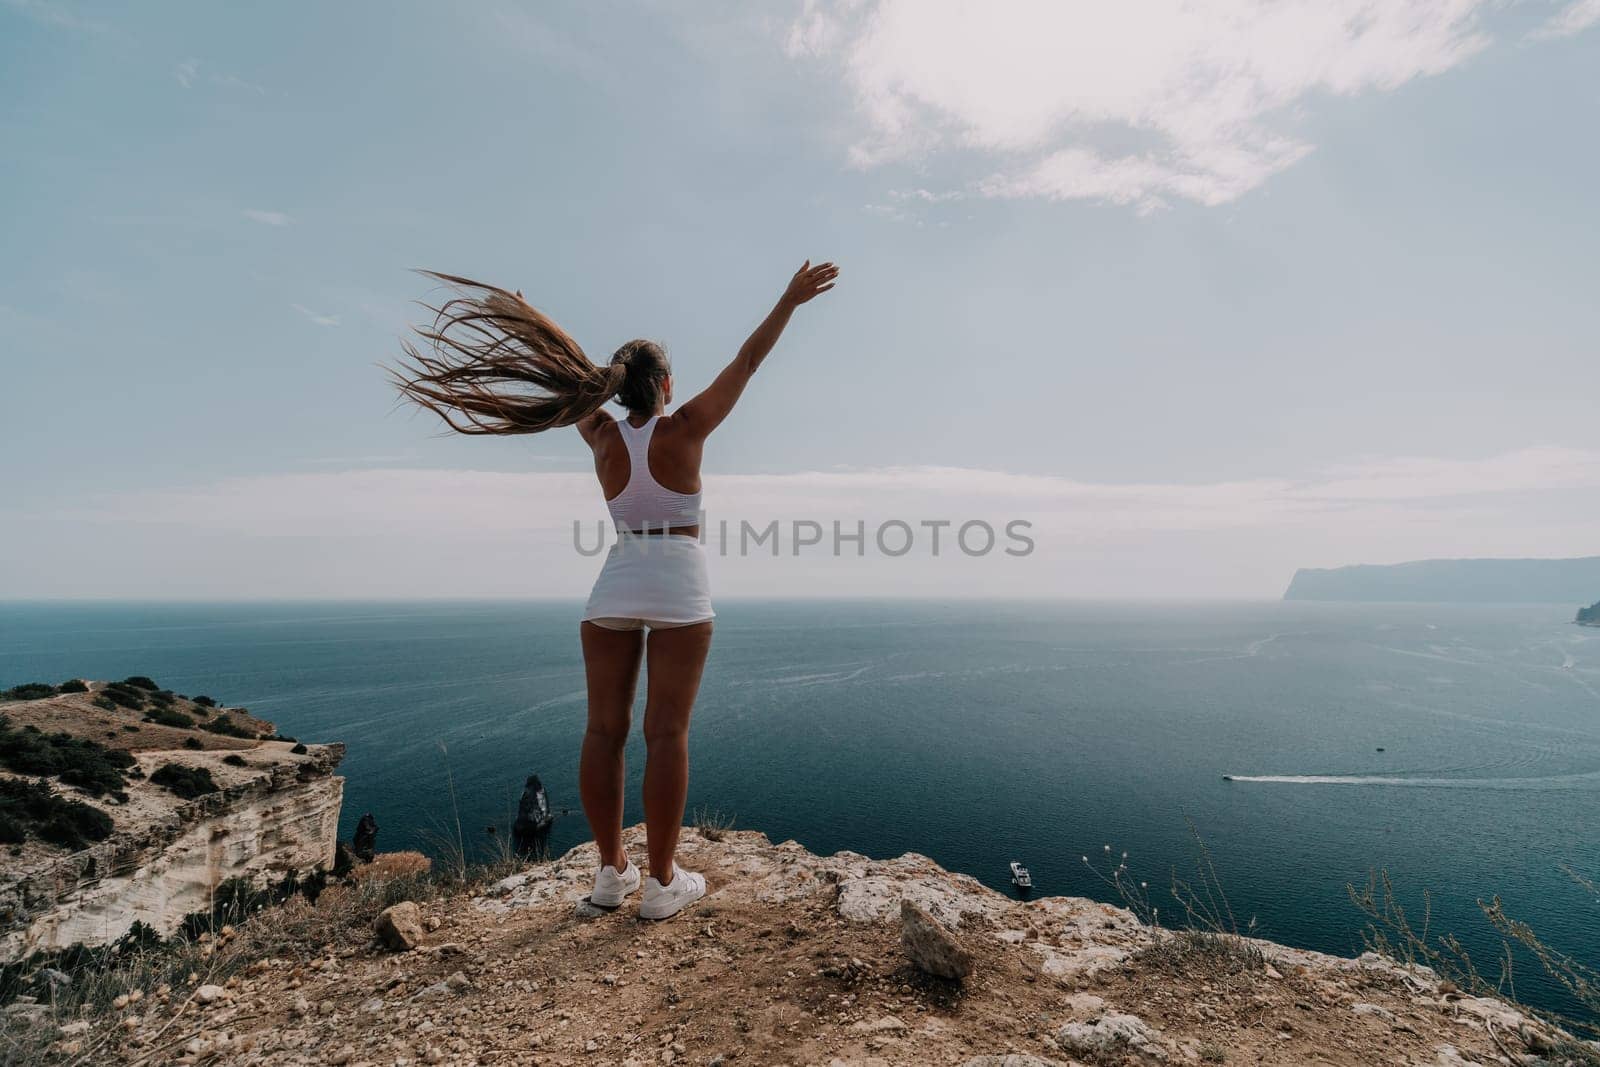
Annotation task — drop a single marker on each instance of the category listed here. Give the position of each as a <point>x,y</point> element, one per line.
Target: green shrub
<point>139,681</point>
<point>192,742</point>
<point>186,782</point>
<point>168,717</point>
<point>162,699</point>
<point>235,760</point>
<point>86,764</point>
<point>205,701</point>
<point>299,749</point>
<point>125,695</point>
<point>31,691</point>
<point>105,703</point>
<point>73,685</point>
<point>32,807</point>
<point>226,726</point>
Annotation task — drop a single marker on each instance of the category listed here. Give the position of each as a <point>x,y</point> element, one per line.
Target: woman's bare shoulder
<point>593,427</point>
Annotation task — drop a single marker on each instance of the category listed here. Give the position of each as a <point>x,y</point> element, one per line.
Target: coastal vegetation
<point>40,690</point>
<point>31,809</point>
<point>226,726</point>
<point>1589,616</point>
<point>88,765</point>
<point>185,782</point>
<point>169,717</point>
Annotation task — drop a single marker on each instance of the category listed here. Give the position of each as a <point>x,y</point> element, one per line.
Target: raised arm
<point>705,412</point>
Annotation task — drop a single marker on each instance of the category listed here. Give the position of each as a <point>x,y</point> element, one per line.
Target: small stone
<point>929,946</point>
<point>889,1024</point>
<point>399,926</point>
<point>210,994</point>
<point>74,1028</point>
<point>1375,1010</point>
<point>1113,1031</point>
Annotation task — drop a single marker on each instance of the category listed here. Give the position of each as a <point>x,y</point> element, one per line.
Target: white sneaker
<point>664,901</point>
<point>611,888</point>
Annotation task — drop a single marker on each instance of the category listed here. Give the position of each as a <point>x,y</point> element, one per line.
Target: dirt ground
<point>793,959</point>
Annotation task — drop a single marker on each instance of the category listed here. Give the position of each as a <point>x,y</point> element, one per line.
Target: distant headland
<point>1459,581</point>
<point>1589,616</point>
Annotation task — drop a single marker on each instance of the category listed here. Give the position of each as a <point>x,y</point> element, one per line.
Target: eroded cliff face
<point>275,811</point>
<point>283,818</point>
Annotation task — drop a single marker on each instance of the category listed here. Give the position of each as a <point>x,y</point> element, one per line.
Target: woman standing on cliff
<point>496,365</point>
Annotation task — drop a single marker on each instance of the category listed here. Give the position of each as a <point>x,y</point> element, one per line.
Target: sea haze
<point>1457,746</point>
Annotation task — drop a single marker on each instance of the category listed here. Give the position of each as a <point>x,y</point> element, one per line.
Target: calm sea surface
<point>974,733</point>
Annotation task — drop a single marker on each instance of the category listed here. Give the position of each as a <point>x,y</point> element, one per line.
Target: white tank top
<point>645,502</point>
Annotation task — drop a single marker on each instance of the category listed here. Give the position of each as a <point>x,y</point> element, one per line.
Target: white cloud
<point>188,74</point>
<point>1136,102</point>
<point>318,319</point>
<point>410,532</point>
<point>1569,21</point>
<point>233,81</point>
<point>267,218</point>
<point>58,15</point>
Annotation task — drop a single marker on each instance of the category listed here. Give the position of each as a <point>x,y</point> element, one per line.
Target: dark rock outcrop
<point>365,844</point>
<point>530,834</point>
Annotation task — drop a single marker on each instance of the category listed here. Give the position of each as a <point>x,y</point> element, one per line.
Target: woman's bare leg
<point>611,664</point>
<point>676,657</point>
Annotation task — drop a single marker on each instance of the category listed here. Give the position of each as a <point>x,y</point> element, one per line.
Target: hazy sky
<point>1204,291</point>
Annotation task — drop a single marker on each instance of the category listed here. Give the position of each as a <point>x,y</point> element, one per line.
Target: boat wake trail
<point>1553,781</point>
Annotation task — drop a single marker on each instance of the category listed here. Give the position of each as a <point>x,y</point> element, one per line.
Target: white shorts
<point>654,580</point>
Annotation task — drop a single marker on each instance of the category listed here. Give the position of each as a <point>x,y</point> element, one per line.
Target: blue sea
<point>1457,747</point>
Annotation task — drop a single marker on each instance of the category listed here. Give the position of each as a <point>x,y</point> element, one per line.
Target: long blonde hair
<point>494,364</point>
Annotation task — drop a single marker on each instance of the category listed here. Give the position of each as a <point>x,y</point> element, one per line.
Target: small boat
<point>1227,777</point>
<point>1020,876</point>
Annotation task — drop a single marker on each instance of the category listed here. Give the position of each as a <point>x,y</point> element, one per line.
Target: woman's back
<point>650,473</point>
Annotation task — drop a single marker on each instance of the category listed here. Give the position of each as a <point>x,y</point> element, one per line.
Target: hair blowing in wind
<point>490,363</point>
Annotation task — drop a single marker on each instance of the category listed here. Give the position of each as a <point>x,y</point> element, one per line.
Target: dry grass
<point>393,865</point>
<point>1207,940</point>
<point>1395,933</point>
<point>712,824</point>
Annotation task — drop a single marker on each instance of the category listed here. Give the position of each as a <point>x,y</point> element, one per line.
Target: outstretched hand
<point>808,281</point>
